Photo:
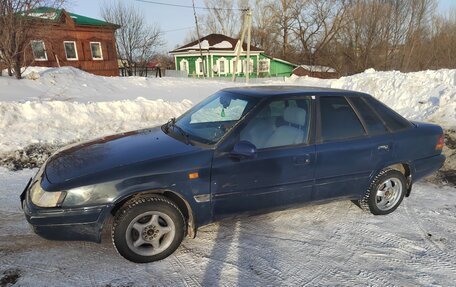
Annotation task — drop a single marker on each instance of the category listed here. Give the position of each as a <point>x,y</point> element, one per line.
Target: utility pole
<point>246,26</point>
<point>199,39</point>
<point>249,32</point>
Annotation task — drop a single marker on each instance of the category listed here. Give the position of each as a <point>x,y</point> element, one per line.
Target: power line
<point>178,29</point>
<point>189,6</point>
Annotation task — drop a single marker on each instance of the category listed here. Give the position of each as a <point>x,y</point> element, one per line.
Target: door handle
<point>301,160</point>
<point>384,147</point>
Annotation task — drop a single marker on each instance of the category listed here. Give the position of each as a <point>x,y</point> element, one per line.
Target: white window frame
<point>75,49</point>
<point>44,48</point>
<point>263,70</point>
<point>225,66</point>
<point>91,51</point>
<point>239,66</point>
<point>198,69</point>
<point>244,66</point>
<point>181,65</point>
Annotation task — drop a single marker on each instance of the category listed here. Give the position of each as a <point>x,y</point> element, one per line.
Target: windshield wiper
<point>168,123</point>
<point>172,123</point>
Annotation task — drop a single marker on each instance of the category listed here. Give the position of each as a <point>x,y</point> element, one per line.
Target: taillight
<point>440,142</point>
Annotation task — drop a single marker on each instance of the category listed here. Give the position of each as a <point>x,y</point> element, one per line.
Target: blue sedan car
<point>242,150</point>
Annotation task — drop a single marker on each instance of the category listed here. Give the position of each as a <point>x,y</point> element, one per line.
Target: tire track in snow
<point>340,239</point>
<point>436,254</point>
<point>180,267</point>
<point>241,256</point>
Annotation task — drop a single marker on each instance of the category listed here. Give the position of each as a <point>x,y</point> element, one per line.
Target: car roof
<point>288,90</point>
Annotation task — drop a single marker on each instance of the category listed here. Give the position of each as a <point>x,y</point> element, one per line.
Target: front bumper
<point>83,223</point>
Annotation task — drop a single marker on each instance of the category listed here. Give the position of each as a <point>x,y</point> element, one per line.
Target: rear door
<point>348,152</point>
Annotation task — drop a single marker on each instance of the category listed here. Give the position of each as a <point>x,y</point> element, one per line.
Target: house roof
<point>281,61</point>
<point>311,68</point>
<point>214,42</point>
<point>48,13</point>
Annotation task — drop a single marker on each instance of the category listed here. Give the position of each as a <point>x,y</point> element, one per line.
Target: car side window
<point>338,120</point>
<point>392,119</point>
<point>373,123</point>
<point>279,123</point>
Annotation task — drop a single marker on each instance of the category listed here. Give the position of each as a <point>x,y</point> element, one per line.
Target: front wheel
<point>148,229</point>
<point>385,193</point>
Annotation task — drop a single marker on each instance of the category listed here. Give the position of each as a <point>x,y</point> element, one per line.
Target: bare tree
<point>264,30</point>
<point>18,23</point>
<point>317,24</point>
<point>349,35</point>
<point>223,17</point>
<point>137,42</point>
<point>380,34</point>
<point>284,19</point>
<point>442,49</point>
<point>421,12</point>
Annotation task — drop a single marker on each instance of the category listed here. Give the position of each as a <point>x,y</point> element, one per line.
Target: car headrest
<point>264,113</point>
<point>295,115</point>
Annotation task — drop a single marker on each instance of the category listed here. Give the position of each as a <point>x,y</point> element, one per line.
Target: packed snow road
<point>332,244</point>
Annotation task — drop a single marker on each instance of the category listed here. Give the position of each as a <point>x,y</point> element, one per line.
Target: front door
<point>281,173</point>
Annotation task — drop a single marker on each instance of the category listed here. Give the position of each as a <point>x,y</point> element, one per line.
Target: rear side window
<point>338,120</point>
<point>373,123</point>
<point>392,119</point>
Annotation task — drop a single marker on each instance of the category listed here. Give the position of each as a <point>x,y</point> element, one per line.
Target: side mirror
<point>244,149</point>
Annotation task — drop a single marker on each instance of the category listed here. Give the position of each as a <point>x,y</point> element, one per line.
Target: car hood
<point>111,152</point>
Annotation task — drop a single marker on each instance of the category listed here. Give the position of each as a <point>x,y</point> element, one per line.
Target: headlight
<point>42,198</point>
<point>78,196</point>
<point>89,195</point>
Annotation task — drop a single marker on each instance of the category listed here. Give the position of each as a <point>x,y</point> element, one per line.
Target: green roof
<point>53,14</point>
<point>83,20</point>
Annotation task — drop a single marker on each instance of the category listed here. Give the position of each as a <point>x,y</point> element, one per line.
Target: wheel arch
<point>405,169</point>
<point>178,199</point>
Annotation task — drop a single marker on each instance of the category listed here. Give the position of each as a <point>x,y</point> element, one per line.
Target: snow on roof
<point>283,61</point>
<point>48,13</point>
<point>280,60</point>
<point>215,42</point>
<point>205,45</point>
<point>317,68</point>
<point>43,15</point>
<point>224,44</point>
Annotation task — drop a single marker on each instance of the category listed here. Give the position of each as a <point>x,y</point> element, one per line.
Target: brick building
<point>73,40</point>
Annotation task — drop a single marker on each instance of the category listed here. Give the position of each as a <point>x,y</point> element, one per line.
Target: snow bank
<point>422,96</point>
<point>71,84</point>
<point>55,106</point>
<point>58,122</point>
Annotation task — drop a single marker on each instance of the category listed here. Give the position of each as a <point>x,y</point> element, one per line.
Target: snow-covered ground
<point>329,245</point>
<point>333,244</point>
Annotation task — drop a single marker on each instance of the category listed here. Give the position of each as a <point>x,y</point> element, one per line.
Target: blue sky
<point>175,18</point>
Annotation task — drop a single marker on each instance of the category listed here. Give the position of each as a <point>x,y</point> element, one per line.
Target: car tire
<point>385,193</point>
<point>147,229</point>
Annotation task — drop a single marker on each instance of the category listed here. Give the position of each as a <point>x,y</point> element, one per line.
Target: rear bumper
<point>426,166</point>
<point>85,223</point>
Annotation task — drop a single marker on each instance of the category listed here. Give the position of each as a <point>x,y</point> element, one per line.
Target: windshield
<point>211,119</point>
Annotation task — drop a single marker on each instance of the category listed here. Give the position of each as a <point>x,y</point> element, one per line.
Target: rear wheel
<point>385,193</point>
<point>148,229</point>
